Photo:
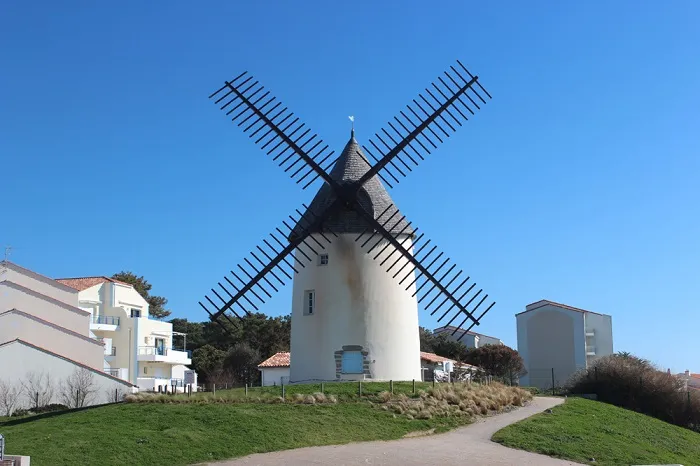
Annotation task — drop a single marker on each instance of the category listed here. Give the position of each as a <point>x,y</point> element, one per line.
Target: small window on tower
<point>323,259</point>
<point>309,302</point>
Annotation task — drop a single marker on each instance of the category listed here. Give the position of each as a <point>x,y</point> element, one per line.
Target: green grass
<point>180,434</point>
<point>581,429</point>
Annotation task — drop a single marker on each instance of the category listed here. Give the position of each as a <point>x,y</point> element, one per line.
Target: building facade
<point>139,349</point>
<point>555,340</point>
<point>469,339</point>
<point>351,320</point>
<point>45,336</point>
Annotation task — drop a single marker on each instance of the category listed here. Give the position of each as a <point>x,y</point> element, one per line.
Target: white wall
<point>81,349</point>
<point>274,375</point>
<point>38,283</point>
<point>16,359</point>
<point>357,303</point>
<point>601,325</point>
<point>13,296</point>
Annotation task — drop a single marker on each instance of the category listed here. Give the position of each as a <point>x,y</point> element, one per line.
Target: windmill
<point>359,267</point>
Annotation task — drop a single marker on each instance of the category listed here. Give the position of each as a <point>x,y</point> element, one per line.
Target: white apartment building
<point>556,340</point>
<point>469,339</point>
<point>139,349</point>
<point>44,334</point>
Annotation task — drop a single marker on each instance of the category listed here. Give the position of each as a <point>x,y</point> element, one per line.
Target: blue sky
<point>577,183</point>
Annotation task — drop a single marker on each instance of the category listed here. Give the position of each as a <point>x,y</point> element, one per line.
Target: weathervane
<point>352,125</point>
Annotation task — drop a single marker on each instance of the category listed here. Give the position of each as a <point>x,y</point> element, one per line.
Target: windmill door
<point>352,362</point>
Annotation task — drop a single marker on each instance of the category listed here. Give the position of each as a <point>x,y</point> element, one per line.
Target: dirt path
<point>467,445</point>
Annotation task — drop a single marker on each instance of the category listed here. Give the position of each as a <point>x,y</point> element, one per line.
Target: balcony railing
<point>153,350</point>
<point>112,372</point>
<point>189,352</point>
<point>106,320</point>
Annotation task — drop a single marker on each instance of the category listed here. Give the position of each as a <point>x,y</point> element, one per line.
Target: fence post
<point>553,382</point>
<point>283,392</point>
<point>359,388</point>
<point>77,398</point>
<point>246,390</point>
<point>116,395</point>
<point>433,381</point>
<point>391,386</point>
<point>322,388</point>
<point>36,400</point>
<point>414,386</point>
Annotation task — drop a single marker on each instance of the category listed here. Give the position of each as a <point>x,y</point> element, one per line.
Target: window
<point>352,362</point>
<point>145,370</point>
<point>135,312</point>
<point>309,302</point>
<point>323,259</point>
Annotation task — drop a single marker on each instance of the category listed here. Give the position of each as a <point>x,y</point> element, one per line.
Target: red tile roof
<point>83,283</point>
<point>432,357</point>
<point>276,360</point>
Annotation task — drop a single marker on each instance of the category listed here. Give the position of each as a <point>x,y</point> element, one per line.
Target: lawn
<point>581,430</point>
<point>180,434</point>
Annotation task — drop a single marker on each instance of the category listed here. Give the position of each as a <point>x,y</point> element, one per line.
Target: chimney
<point>687,373</point>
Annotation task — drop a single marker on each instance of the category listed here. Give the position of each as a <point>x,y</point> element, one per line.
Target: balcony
<point>160,383</point>
<point>166,355</point>
<point>104,323</point>
<point>590,351</point>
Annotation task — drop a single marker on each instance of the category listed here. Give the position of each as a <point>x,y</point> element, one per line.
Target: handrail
<point>106,320</point>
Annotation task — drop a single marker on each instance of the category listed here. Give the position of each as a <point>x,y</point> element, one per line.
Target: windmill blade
<point>415,131</point>
<point>268,267</point>
<point>276,129</point>
<point>429,270</point>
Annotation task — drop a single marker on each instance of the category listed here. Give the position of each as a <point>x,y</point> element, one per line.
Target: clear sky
<point>577,183</point>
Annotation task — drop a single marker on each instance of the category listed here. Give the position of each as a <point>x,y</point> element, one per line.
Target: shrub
<point>634,383</point>
<point>532,390</point>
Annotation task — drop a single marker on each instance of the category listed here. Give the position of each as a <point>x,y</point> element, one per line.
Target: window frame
<point>321,258</point>
<point>309,302</point>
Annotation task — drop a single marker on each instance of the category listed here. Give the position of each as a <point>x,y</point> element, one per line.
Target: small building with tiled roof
<point>83,283</point>
<point>555,340</point>
<point>275,369</point>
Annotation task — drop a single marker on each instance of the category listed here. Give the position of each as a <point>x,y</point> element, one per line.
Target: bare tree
<point>79,388</point>
<point>38,389</point>
<point>10,395</point>
<point>220,376</point>
<point>114,395</point>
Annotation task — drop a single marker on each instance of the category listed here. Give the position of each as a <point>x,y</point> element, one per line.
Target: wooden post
<point>553,382</point>
<point>359,387</point>
<point>246,390</point>
<point>116,395</point>
<point>433,381</point>
<point>414,386</point>
<point>391,386</point>
<point>36,400</point>
<point>322,388</point>
<point>77,398</point>
<point>283,392</point>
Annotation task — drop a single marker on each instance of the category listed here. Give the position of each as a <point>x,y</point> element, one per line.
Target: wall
<point>59,313</point>
<point>357,303</point>
<point>550,337</point>
<point>273,375</point>
<point>16,359</point>
<point>16,324</point>
<point>486,340</point>
<point>601,325</point>
<point>39,283</point>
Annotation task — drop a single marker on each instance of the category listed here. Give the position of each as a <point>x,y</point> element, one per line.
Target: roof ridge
<point>36,294</point>
<point>38,276</point>
<point>50,324</point>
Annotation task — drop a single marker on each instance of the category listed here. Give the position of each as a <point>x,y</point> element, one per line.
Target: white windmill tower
<point>357,278</point>
<point>351,319</point>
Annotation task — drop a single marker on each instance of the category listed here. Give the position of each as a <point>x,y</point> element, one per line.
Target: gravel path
<point>467,445</point>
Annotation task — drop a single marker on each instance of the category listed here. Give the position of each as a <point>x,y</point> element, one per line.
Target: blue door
<point>352,362</point>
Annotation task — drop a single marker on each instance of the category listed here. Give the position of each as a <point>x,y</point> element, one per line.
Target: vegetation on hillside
<point>598,433</point>
<point>636,384</point>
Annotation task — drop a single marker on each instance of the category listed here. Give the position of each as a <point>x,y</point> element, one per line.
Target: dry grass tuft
<point>455,400</point>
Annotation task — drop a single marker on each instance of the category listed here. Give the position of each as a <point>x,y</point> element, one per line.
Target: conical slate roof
<point>350,167</point>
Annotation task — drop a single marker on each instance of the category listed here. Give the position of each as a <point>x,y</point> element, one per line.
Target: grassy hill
<point>582,430</point>
<point>179,434</point>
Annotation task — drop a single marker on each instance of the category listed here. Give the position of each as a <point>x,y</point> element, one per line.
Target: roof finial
<point>352,127</point>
